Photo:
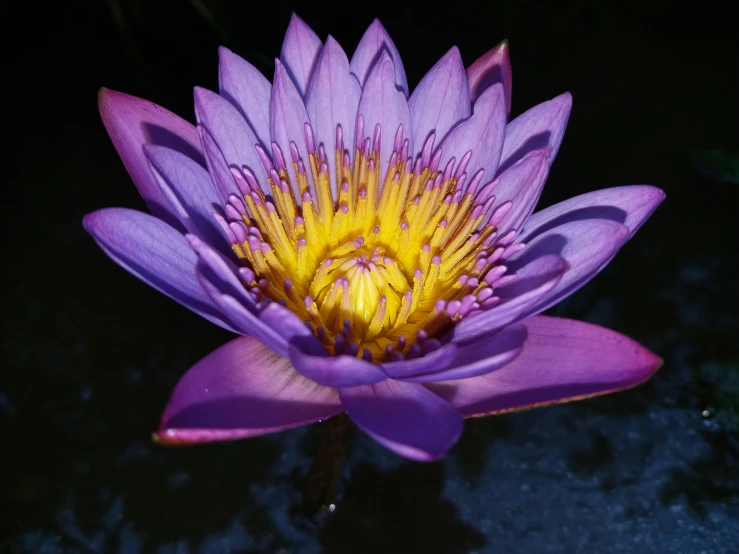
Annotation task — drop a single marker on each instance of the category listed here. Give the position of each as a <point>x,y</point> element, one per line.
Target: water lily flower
<point>377,251</point>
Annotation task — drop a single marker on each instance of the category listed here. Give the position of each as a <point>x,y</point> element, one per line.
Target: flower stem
<point>321,483</point>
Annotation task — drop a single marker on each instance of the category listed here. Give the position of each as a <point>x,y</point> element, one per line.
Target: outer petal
<point>481,356</point>
<point>245,87</point>
<point>242,390</point>
<point>333,99</point>
<point>440,101</point>
<point>542,125</point>
<point>287,119</point>
<point>189,190</point>
<point>630,205</point>
<point>493,67</point>
<point>482,134</point>
<point>382,103</point>
<point>521,184</point>
<point>562,360</point>
<point>132,122</point>
<point>407,418</point>
<point>535,277</point>
<point>300,50</point>
<point>374,41</point>
<point>155,253</point>
<point>587,246</point>
<point>228,142</point>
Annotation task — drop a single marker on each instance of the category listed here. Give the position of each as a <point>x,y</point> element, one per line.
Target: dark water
<point>90,354</point>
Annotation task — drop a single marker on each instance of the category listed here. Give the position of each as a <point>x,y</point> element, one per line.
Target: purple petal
<point>541,126</point>
<point>482,134</point>
<point>190,191</point>
<point>287,119</point>
<point>407,418</point>
<point>534,279</point>
<point>374,41</point>
<point>132,122</point>
<point>299,52</point>
<point>630,205</point>
<point>437,360</point>
<point>155,253</point>
<point>587,246</point>
<point>245,87</point>
<point>441,100</point>
<point>227,140</point>
<point>333,99</point>
<point>382,103</point>
<point>492,68</point>
<point>480,356</point>
<point>242,390</point>
<point>562,360</point>
<point>521,184</point>
<point>312,360</point>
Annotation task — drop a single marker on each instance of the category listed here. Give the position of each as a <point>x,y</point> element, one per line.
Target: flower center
<point>381,266</point>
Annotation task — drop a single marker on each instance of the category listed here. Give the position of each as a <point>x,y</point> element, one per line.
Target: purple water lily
<point>378,252</point>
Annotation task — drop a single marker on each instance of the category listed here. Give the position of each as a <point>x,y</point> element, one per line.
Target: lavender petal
<point>374,41</point>
<point>300,50</point>
<point>245,87</point>
<point>440,101</point>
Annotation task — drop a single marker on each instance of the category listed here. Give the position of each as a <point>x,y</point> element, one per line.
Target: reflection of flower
<point>386,277</point>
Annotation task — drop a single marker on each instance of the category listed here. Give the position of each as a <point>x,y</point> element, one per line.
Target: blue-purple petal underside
<point>190,191</point>
<point>630,205</point>
<point>382,103</point>
<point>300,50</point>
<point>156,253</point>
<point>482,134</point>
<point>438,360</point>
<point>440,101</point>
<point>541,126</point>
<point>242,390</point>
<point>245,87</point>
<point>228,142</point>
<point>374,41</point>
<point>407,418</point>
<point>332,100</point>
<point>334,371</point>
<point>481,356</point>
<point>586,245</point>
<point>132,122</point>
<point>562,360</point>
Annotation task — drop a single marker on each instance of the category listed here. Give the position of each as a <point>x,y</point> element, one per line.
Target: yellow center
<point>379,264</point>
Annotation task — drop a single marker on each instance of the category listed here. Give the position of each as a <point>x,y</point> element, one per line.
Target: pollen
<point>379,262</point>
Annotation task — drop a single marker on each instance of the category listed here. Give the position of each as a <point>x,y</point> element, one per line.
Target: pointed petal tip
<point>223,52</point>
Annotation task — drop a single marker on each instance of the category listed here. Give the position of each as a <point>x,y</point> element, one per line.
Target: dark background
<point>90,354</point>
